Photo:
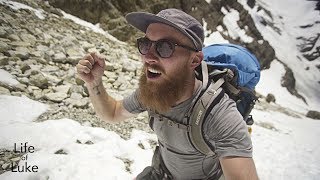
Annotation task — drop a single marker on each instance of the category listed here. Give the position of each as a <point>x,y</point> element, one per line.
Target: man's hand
<point>91,69</point>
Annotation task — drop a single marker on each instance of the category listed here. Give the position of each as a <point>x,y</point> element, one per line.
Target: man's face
<point>164,80</point>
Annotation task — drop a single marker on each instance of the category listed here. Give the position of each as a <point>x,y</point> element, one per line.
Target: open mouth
<point>152,73</point>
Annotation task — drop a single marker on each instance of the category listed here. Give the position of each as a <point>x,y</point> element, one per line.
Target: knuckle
<point>87,63</point>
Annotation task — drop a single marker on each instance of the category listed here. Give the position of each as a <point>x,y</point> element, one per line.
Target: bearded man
<point>170,52</point>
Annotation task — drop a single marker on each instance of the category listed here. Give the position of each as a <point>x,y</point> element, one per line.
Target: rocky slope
<point>110,15</point>
<point>41,54</point>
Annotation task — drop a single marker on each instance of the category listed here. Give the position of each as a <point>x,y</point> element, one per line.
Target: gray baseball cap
<point>178,19</point>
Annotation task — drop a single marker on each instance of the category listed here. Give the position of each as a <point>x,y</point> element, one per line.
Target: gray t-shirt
<point>224,129</point>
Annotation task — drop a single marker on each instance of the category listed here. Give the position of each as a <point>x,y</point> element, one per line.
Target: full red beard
<point>160,95</point>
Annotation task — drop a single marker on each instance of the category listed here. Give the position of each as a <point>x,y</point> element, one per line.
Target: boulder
<point>39,80</point>
<point>4,91</point>
<point>56,97</point>
<point>313,114</point>
<point>271,98</point>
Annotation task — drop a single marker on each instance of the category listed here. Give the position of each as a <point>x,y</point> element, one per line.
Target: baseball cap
<point>176,18</point>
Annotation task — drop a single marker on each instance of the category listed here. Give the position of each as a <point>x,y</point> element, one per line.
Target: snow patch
<point>7,78</point>
<point>270,82</point>
<point>213,37</point>
<point>103,158</point>
<point>230,21</point>
<point>94,28</point>
<point>16,6</point>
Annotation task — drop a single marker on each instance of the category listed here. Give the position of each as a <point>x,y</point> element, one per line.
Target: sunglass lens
<point>165,49</point>
<point>144,45</point>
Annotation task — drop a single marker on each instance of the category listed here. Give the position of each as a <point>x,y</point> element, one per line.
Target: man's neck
<point>190,89</point>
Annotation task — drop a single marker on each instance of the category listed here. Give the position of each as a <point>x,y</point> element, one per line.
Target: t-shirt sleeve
<point>226,130</point>
<point>131,103</point>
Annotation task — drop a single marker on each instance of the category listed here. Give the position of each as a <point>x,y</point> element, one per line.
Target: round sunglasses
<point>164,47</point>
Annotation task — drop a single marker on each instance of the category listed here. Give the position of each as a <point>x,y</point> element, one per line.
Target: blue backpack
<point>237,71</point>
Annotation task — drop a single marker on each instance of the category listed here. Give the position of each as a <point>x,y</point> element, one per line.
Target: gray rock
<point>24,67</point>
<point>54,79</point>
<point>38,94</point>
<point>120,81</point>
<point>39,80</point>
<point>79,81</point>
<point>50,68</point>
<point>42,48</point>
<point>32,88</point>
<point>4,46</point>
<point>5,166</point>
<point>123,87</point>
<point>28,38</point>
<point>270,98</point>
<point>24,80</point>
<point>19,44</point>
<point>56,97</point>
<point>59,57</point>
<point>20,52</point>
<point>5,40</point>
<point>76,89</point>
<point>4,60</point>
<point>77,100</point>
<point>31,72</point>
<point>14,37</point>
<point>129,65</point>
<point>47,37</point>
<point>20,94</point>
<point>76,96</point>
<point>36,53</point>
<point>4,91</point>
<point>67,39</point>
<point>109,66</point>
<point>40,60</point>
<point>61,151</point>
<point>110,74</point>
<point>89,142</point>
<point>72,51</point>
<point>74,54</point>
<point>19,87</point>
<point>85,45</point>
<point>13,60</point>
<point>62,88</point>
<point>3,32</point>
<point>15,159</point>
<point>73,59</point>
<point>313,114</point>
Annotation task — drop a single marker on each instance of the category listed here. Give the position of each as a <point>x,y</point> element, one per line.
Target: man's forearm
<point>104,104</point>
<point>238,168</point>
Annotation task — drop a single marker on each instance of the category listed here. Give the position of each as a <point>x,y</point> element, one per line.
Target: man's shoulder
<point>226,130</point>
<point>132,104</point>
<point>224,106</point>
<point>223,115</point>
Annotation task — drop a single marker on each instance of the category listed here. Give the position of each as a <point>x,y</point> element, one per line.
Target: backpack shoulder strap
<point>209,98</point>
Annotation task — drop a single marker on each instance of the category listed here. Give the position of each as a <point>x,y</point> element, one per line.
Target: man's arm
<point>238,168</point>
<point>106,107</point>
<point>91,69</point>
<point>228,134</point>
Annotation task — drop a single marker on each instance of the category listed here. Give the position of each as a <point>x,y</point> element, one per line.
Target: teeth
<point>154,71</point>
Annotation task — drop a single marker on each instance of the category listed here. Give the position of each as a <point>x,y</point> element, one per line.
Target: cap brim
<point>141,21</point>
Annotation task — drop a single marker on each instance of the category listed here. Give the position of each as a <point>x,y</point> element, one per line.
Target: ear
<point>196,59</point>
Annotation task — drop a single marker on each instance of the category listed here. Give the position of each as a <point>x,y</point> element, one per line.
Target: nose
<point>151,57</point>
